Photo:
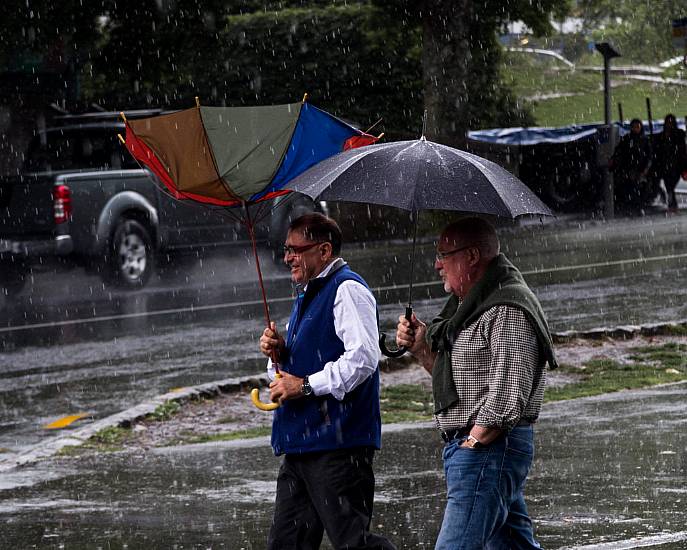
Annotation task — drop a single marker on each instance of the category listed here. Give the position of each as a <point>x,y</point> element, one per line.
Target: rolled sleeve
<point>355,323</point>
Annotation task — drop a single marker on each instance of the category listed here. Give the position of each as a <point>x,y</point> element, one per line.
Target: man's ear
<point>474,255</point>
<point>326,251</point>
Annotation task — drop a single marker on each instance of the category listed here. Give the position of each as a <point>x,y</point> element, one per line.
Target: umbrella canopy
<point>238,156</point>
<point>420,175</point>
<point>232,156</point>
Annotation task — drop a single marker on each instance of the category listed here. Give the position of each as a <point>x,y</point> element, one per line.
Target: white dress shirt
<point>355,323</point>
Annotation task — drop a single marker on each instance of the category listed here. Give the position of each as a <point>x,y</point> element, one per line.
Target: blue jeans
<point>486,507</point>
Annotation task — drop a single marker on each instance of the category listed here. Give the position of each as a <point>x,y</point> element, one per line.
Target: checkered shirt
<point>497,372</point>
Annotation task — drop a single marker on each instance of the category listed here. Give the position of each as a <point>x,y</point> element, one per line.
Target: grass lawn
<point>650,366</point>
<point>589,107</point>
<point>530,76</point>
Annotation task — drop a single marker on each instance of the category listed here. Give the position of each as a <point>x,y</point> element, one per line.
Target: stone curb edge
<point>130,416</point>
<point>624,332</point>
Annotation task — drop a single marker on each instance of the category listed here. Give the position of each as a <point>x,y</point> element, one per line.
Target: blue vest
<point>321,423</point>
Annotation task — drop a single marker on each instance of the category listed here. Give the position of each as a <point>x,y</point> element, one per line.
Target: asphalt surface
<point>609,473</point>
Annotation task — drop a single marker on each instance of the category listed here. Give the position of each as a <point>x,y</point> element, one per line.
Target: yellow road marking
<point>65,421</point>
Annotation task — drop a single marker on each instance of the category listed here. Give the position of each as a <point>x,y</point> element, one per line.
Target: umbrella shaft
<point>415,215</point>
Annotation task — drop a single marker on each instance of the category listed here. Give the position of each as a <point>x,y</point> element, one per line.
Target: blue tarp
<point>533,135</point>
<point>564,134</point>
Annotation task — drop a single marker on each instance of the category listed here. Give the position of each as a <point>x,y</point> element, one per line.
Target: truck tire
<point>131,256</point>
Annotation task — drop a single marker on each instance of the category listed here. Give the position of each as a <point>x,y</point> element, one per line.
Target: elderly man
<point>486,352</point>
<point>329,424</point>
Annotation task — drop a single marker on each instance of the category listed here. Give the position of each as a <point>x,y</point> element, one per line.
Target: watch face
<point>306,388</point>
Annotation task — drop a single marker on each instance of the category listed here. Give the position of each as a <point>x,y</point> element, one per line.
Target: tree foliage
<point>462,88</point>
<point>639,29</point>
<point>362,59</point>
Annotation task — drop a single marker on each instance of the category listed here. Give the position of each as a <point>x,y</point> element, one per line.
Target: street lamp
<point>609,52</point>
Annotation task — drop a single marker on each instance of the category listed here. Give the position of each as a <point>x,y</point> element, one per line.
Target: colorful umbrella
<point>238,156</point>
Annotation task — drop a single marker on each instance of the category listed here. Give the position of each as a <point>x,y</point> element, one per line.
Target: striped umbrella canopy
<point>238,156</point>
<point>232,156</point>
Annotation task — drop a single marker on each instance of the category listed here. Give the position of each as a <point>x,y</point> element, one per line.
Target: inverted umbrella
<point>419,175</point>
<point>238,156</point>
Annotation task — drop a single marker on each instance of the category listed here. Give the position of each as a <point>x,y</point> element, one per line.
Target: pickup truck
<point>81,197</point>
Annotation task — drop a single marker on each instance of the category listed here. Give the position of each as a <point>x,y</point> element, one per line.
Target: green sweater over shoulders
<point>501,285</point>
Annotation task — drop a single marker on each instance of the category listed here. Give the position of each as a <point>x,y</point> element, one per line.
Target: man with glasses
<point>328,425</point>
<point>486,351</point>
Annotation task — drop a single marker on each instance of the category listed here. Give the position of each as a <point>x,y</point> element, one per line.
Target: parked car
<point>82,198</point>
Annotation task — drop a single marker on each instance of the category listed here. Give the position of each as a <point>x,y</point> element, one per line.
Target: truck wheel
<point>131,255</point>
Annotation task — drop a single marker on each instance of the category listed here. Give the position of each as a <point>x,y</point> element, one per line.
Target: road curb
<point>623,332</point>
<point>127,418</point>
<point>130,416</point>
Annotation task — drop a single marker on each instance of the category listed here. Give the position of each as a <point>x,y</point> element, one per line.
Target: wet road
<point>610,473</point>
<point>69,345</point>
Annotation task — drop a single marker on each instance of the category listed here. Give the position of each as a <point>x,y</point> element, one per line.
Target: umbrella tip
<point>197,102</point>
<point>121,114</point>
<point>121,139</point>
<point>424,125</point>
<point>305,97</point>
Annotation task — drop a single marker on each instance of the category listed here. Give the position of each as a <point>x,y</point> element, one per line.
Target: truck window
<point>64,150</point>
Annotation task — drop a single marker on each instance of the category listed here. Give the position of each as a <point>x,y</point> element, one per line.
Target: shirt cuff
<point>319,384</point>
<point>489,419</point>
<point>271,371</point>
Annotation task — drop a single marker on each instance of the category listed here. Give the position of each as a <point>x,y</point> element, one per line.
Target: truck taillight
<point>62,203</point>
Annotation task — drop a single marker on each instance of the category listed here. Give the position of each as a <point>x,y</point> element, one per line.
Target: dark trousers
<point>330,491</point>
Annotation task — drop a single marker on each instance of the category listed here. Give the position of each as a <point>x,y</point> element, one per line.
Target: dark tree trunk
<point>446,62</point>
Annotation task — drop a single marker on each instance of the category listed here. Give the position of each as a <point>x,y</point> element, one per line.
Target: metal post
<point>649,116</point>
<point>609,53</point>
<point>607,90</point>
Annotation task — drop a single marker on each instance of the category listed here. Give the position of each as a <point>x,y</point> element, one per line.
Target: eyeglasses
<point>441,256</point>
<point>297,250</point>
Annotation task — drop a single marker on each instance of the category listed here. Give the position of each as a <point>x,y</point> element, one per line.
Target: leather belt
<point>450,435</point>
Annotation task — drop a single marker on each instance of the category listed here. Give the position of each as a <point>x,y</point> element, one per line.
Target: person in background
<point>630,165</point>
<point>486,352</point>
<point>669,160</point>
<point>329,424</point>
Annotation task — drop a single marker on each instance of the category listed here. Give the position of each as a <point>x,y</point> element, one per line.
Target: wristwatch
<point>306,388</point>
<point>474,443</point>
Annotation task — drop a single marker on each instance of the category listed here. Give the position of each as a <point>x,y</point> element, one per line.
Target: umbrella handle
<point>401,350</point>
<point>255,398</point>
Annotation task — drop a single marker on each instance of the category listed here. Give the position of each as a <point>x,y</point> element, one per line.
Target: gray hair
<point>473,231</point>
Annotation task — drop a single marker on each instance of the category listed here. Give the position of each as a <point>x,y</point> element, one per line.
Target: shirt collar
<point>332,266</point>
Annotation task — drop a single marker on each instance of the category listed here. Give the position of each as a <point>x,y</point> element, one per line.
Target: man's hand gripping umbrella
<point>270,344</point>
